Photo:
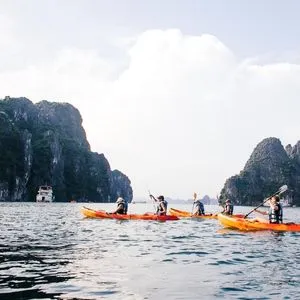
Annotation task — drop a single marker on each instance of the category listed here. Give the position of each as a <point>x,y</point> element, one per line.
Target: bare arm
<point>261,212</point>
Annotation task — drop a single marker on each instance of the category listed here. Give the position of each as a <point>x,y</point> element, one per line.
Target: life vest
<point>275,216</point>
<point>160,207</point>
<point>121,208</point>
<point>199,208</point>
<point>228,210</point>
<point>125,207</point>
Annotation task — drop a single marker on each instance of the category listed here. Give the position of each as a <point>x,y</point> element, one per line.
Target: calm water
<point>49,251</point>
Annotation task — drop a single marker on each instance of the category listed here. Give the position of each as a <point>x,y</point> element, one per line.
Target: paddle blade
<point>283,189</point>
<point>195,196</point>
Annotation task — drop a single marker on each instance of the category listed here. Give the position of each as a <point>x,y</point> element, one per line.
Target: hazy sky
<point>176,94</point>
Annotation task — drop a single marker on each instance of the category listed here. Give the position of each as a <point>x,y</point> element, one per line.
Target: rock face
<point>46,144</point>
<point>120,183</point>
<point>269,167</point>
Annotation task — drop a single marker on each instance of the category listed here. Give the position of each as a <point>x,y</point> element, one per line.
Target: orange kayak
<point>186,214</point>
<point>101,214</point>
<point>247,225</point>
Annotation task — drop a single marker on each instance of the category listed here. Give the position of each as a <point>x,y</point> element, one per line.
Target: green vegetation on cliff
<point>46,144</point>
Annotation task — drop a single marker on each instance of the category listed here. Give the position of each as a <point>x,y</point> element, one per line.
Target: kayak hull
<point>186,214</point>
<point>246,225</point>
<point>101,214</point>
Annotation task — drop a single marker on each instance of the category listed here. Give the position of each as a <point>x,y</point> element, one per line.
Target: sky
<point>176,94</point>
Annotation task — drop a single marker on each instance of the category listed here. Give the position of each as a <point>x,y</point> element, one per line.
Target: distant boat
<point>45,194</point>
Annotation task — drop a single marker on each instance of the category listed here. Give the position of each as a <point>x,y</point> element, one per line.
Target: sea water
<point>50,251</point>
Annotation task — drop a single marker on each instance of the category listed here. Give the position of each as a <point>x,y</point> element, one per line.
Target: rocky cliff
<point>120,183</point>
<point>45,143</point>
<point>269,167</point>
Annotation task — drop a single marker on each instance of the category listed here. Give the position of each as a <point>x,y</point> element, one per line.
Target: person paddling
<point>162,205</point>
<point>121,207</point>
<point>228,208</point>
<point>199,208</point>
<point>275,212</point>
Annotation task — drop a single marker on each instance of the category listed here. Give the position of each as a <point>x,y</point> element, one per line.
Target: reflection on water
<point>49,251</point>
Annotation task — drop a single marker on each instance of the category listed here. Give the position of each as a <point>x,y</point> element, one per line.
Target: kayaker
<point>121,208</point>
<point>275,212</point>
<point>162,205</point>
<point>199,208</point>
<point>228,208</point>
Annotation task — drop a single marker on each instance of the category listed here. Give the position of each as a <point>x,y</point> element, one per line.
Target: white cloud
<point>6,31</point>
<point>182,116</point>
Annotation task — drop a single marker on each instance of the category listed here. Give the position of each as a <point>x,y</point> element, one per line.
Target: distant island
<point>206,200</point>
<point>45,144</point>
<point>269,167</point>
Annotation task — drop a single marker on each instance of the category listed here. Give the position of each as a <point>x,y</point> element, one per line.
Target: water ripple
<point>52,252</point>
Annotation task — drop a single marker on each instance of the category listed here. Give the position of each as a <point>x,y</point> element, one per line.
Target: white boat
<point>45,194</point>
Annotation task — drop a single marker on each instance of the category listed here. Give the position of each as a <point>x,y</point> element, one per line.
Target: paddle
<point>153,199</point>
<point>280,191</point>
<point>195,197</point>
